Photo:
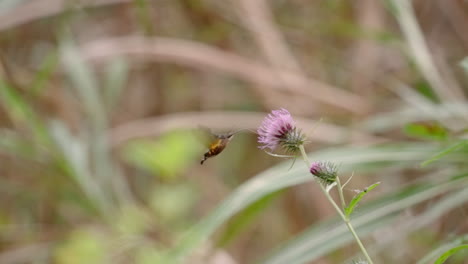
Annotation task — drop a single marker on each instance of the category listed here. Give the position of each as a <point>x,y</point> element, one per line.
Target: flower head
<point>325,171</point>
<point>279,129</point>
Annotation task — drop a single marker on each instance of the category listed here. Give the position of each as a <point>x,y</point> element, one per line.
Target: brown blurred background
<point>98,159</point>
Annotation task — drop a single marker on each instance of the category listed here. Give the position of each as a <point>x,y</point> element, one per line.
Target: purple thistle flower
<point>325,171</point>
<point>279,129</point>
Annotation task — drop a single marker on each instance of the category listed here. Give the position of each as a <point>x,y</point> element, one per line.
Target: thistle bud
<point>325,171</point>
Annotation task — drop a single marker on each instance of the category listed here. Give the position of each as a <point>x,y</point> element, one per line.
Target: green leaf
<point>427,131</point>
<point>444,248</point>
<point>444,152</point>
<point>354,202</point>
<point>449,253</point>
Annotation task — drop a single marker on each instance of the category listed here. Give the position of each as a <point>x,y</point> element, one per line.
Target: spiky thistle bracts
<point>278,129</point>
<point>324,171</point>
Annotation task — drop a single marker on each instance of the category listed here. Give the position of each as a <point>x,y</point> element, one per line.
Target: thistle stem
<point>337,208</point>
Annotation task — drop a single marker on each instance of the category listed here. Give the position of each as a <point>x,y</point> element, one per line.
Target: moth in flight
<point>217,143</point>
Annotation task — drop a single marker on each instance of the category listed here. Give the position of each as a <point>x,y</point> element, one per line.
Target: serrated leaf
<point>449,253</point>
<point>354,202</point>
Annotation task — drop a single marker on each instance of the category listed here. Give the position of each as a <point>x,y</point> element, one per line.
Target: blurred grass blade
<point>6,5</point>
<point>75,154</point>
<point>420,53</point>
<point>263,184</point>
<point>82,78</point>
<point>450,113</point>
<point>354,202</point>
<point>85,84</point>
<point>17,108</point>
<point>45,71</point>
<point>13,144</point>
<point>464,64</point>
<point>449,253</point>
<point>445,152</point>
<point>116,77</point>
<point>442,249</point>
<point>21,113</point>
<point>245,217</point>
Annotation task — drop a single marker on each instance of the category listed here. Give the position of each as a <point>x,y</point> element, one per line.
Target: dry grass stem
<point>198,55</point>
<point>38,9</point>
<point>259,20</point>
<point>421,53</point>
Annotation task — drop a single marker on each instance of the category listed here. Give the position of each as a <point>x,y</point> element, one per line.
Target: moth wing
<point>205,136</point>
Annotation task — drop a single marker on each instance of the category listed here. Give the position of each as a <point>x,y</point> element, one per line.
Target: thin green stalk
<point>363,249</point>
<point>337,208</point>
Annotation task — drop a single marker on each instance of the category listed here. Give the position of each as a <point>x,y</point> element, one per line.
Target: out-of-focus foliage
<point>167,157</point>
